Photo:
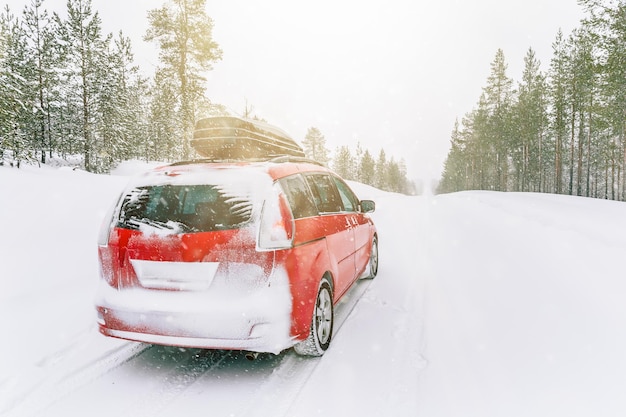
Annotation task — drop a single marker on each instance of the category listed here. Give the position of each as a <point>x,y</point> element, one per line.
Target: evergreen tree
<point>15,110</point>
<point>183,32</point>
<point>164,142</point>
<point>84,53</point>
<point>557,91</point>
<point>396,174</point>
<point>583,82</point>
<point>381,180</point>
<point>530,114</point>
<point>120,119</point>
<point>481,151</point>
<point>343,163</point>
<point>566,132</point>
<point>498,96</point>
<point>455,173</point>
<point>42,75</point>
<point>615,94</point>
<point>314,145</point>
<point>366,169</point>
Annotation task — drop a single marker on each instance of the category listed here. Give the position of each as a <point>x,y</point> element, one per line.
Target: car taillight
<point>106,226</point>
<point>277,225</point>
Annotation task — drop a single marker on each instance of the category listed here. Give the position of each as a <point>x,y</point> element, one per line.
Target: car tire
<point>322,322</point>
<point>373,261</point>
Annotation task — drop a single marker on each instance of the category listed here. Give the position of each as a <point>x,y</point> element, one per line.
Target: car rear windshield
<point>183,208</point>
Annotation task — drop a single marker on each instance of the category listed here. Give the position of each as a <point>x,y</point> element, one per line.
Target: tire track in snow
<point>278,380</point>
<point>63,383</point>
<point>278,394</point>
<point>177,380</point>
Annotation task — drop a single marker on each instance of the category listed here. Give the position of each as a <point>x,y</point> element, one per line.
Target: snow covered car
<point>248,256</point>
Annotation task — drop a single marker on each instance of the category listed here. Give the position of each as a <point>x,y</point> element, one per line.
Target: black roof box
<point>228,137</point>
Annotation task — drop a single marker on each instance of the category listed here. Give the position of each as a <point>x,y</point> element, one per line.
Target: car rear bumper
<point>256,320</point>
<point>253,344</point>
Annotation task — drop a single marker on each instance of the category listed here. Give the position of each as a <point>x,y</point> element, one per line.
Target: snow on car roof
<point>251,181</point>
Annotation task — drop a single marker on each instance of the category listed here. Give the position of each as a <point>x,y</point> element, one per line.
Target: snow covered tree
<point>15,112</point>
<point>183,32</point>
<point>42,76</point>
<point>84,54</point>
<point>122,113</point>
<point>164,138</point>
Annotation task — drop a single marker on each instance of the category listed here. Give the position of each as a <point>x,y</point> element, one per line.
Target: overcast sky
<point>391,74</point>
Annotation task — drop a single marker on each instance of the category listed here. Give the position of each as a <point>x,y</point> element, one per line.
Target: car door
<point>338,227</point>
<point>361,225</point>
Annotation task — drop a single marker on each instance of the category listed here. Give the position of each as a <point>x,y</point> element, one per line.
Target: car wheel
<point>321,325</point>
<point>373,262</point>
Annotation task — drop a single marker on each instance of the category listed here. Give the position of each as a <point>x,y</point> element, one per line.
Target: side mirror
<point>368,206</point>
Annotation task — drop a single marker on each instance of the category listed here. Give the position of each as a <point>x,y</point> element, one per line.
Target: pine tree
<point>84,53</point>
<point>164,142</point>
<point>498,96</point>
<point>557,91</point>
<point>183,32</point>
<point>42,75</point>
<point>395,176</point>
<point>120,109</point>
<point>456,172</point>
<point>314,145</point>
<point>604,32</point>
<point>381,180</point>
<point>479,147</point>
<point>583,90</point>
<point>530,118</point>
<point>343,163</point>
<point>615,94</point>
<point>15,110</point>
<point>366,169</point>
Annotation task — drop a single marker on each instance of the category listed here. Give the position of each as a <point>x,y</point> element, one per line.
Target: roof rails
<point>206,161</point>
<point>295,159</point>
<point>277,159</point>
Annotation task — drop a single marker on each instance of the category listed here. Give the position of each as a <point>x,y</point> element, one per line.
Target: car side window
<point>325,193</point>
<point>350,201</point>
<point>299,197</point>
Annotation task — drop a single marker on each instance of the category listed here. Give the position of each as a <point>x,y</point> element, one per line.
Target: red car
<point>248,256</point>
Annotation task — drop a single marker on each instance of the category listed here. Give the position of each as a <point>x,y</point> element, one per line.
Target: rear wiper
<point>170,225</point>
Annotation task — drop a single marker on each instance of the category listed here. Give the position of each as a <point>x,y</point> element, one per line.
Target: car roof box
<point>228,137</point>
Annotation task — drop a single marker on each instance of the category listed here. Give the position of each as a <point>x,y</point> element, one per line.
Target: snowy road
<point>146,380</point>
<point>58,365</point>
<point>486,304</point>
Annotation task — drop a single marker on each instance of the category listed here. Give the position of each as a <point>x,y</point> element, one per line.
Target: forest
<point>559,131</point>
<point>69,91</point>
